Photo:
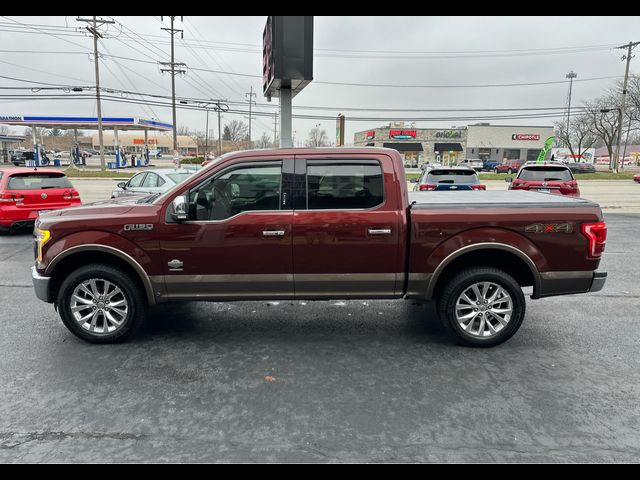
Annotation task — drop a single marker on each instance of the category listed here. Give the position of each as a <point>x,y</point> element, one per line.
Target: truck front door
<point>346,229</point>
<point>237,242</point>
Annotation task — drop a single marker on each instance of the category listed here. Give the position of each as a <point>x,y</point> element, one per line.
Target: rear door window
<point>551,174</point>
<point>136,180</point>
<point>38,181</point>
<point>336,186</point>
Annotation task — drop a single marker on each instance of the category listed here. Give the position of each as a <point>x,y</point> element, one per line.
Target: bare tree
<point>264,142</point>
<point>236,131</point>
<point>603,115</point>
<point>55,132</point>
<point>183,130</point>
<point>580,137</point>
<point>317,138</point>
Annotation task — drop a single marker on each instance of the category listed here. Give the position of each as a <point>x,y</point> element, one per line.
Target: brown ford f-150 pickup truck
<point>335,223</point>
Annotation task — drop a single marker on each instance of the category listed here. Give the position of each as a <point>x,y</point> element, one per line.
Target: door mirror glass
<point>414,180</point>
<point>179,205</point>
<point>508,179</point>
<point>122,185</point>
<point>234,189</point>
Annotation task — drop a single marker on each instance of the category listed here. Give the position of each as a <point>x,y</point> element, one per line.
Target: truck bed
<point>502,199</point>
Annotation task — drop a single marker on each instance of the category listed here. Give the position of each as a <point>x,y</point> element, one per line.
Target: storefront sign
<point>449,134</point>
<point>525,136</point>
<point>402,134</point>
<point>371,135</point>
<point>140,141</point>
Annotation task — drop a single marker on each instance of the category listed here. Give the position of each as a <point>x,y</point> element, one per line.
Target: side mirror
<point>235,190</point>
<point>414,180</point>
<point>179,213</point>
<point>122,185</point>
<point>508,179</point>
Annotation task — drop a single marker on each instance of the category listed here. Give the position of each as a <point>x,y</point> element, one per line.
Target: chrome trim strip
<point>146,281</point>
<point>482,246</point>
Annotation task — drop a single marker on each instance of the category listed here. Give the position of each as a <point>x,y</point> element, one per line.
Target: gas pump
<point>146,155</point>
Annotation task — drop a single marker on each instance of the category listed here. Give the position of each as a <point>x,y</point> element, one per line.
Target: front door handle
<point>273,233</point>
<point>379,231</point>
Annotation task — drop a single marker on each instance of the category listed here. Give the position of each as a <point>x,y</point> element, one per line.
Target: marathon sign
<point>525,136</point>
<point>10,118</point>
<point>403,134</point>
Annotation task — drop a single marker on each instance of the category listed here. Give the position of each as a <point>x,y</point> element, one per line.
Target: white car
<point>475,163</point>
<point>151,181</point>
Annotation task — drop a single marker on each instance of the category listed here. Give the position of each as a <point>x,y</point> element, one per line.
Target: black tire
<point>496,171</point>
<point>134,295</point>
<point>509,171</point>
<point>463,280</point>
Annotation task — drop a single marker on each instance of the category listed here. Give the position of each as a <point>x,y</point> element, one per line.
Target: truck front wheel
<point>482,306</point>
<point>101,304</point>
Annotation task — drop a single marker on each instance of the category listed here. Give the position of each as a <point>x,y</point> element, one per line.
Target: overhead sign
<point>525,136</point>
<point>287,54</point>
<point>449,134</point>
<point>402,134</point>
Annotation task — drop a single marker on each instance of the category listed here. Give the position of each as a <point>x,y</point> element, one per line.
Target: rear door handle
<point>273,233</point>
<point>379,231</point>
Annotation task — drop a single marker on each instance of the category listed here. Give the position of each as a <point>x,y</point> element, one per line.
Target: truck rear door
<point>347,228</point>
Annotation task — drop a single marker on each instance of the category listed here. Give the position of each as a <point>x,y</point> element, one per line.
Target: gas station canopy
<point>85,123</point>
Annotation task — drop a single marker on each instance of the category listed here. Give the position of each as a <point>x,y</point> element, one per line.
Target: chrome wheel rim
<point>484,309</point>
<point>99,306</point>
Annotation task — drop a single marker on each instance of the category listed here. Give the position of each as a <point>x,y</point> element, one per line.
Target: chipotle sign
<point>525,136</point>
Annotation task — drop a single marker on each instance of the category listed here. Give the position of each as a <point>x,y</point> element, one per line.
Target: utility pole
<point>251,95</point>
<point>179,71</point>
<point>92,27</point>
<point>275,130</point>
<point>630,46</point>
<point>571,75</point>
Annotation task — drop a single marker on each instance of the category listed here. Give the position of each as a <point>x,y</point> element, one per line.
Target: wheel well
<point>80,259</point>
<point>503,260</point>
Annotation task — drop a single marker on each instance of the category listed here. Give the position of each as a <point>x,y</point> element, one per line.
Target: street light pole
<point>571,75</point>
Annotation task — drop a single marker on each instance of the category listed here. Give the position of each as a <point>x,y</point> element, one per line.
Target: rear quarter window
<point>37,181</point>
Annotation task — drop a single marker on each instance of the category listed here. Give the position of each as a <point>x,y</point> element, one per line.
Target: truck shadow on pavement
<point>321,321</point>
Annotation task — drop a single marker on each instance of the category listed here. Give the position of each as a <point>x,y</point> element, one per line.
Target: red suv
<point>545,178</point>
<point>510,166</point>
<point>26,192</point>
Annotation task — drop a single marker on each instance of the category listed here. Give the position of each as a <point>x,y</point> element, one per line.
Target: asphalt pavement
<point>336,381</point>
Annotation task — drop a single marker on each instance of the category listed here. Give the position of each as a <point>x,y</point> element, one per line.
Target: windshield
<point>37,181</point>
<point>179,177</point>
<point>549,174</point>
<point>452,176</point>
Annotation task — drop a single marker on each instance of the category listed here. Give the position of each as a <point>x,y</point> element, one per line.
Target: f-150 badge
<point>138,226</point>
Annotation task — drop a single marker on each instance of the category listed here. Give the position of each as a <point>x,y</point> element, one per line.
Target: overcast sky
<point>431,51</point>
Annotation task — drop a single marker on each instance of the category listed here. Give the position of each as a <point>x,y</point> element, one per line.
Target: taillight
<point>426,186</point>
<point>596,233</point>
<point>11,197</point>
<point>478,187</point>
<point>571,185</point>
<point>71,195</point>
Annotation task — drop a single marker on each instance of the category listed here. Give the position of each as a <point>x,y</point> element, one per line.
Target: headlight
<point>42,237</point>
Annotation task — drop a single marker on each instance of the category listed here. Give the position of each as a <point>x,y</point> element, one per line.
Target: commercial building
<point>133,142</point>
<point>8,143</point>
<point>451,145</point>
<point>417,145</point>
<point>506,142</point>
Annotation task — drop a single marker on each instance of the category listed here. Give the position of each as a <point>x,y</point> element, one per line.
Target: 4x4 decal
<point>549,228</point>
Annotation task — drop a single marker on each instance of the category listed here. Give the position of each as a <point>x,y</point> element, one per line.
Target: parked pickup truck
<point>313,224</point>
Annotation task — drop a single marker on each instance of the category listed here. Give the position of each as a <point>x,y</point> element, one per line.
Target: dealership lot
<point>324,381</point>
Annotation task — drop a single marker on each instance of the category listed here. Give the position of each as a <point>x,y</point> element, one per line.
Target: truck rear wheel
<point>101,304</point>
<point>482,306</point>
